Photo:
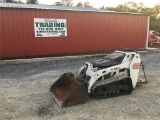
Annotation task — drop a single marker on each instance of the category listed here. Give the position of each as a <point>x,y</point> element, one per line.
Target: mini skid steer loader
<point>111,76</point>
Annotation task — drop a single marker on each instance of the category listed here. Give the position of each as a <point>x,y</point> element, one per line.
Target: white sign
<point>50,27</point>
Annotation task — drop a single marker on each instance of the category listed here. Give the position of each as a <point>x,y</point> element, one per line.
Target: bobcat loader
<point>111,76</point>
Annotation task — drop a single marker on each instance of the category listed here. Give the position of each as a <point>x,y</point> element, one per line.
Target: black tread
<point>111,81</point>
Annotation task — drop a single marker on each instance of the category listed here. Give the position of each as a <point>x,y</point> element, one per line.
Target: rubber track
<point>106,82</point>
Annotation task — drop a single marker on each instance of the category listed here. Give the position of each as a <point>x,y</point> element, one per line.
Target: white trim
<point>148,19</point>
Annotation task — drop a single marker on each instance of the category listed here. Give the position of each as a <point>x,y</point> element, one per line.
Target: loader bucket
<point>68,91</point>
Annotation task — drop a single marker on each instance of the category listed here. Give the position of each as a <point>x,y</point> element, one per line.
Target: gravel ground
<point>24,93</point>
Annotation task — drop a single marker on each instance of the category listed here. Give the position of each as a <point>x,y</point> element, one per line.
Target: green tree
<point>140,8</point>
<point>102,7</point>
<point>80,4</point>
<point>64,3</point>
<point>19,1</point>
<point>8,1</point>
<point>155,18</point>
<point>128,7</point>
<point>11,1</point>
<point>156,10</point>
<point>67,2</point>
<point>32,1</point>
<point>58,4</point>
<point>87,4</point>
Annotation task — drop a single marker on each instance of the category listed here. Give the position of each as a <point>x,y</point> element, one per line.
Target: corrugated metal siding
<point>86,32</point>
<point>0,34</point>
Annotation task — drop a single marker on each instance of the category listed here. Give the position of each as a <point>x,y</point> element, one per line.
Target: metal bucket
<point>68,91</point>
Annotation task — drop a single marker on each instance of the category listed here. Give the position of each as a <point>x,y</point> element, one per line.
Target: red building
<point>35,30</point>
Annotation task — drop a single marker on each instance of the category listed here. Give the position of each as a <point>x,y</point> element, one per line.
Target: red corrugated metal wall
<point>86,32</point>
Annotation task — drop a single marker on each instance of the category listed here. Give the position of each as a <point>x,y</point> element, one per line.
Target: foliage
<point>64,3</point>
<point>140,8</point>
<point>19,1</point>
<point>87,4</point>
<point>80,4</point>
<point>70,3</point>
<point>8,1</point>
<point>58,4</point>
<point>11,1</point>
<point>32,1</point>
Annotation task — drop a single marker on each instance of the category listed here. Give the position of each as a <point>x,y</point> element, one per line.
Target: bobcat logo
<point>136,66</point>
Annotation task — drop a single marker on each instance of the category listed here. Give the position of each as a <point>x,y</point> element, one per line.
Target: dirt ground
<point>24,93</point>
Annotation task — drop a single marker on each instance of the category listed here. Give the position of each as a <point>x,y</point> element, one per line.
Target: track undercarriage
<point>112,87</point>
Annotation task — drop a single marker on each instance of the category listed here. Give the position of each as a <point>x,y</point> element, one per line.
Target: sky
<point>107,3</point>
